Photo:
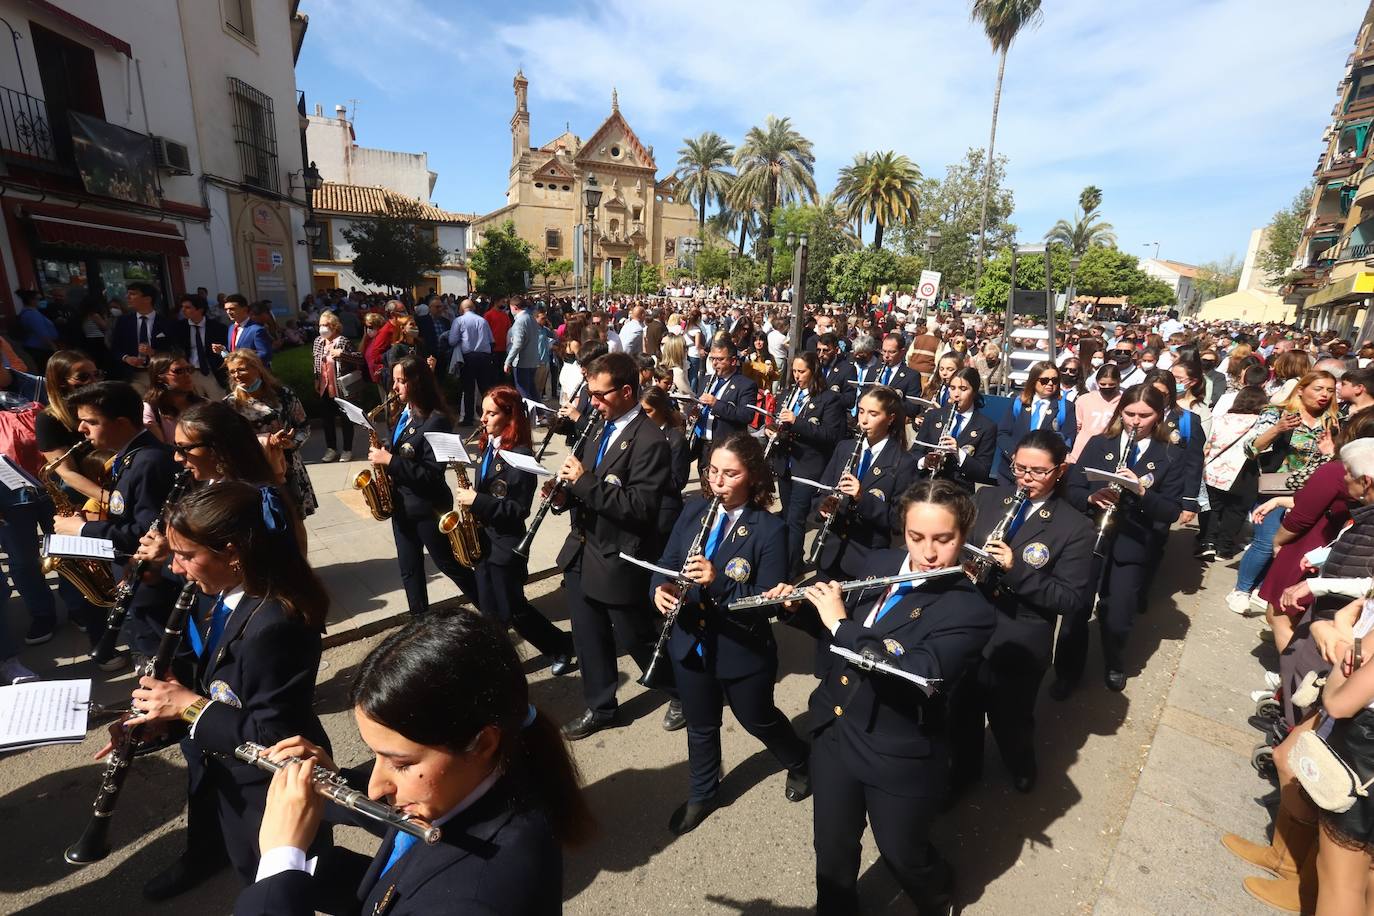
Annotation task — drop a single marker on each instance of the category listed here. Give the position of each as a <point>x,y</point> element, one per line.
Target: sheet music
<point>525,463</point>
<point>43,712</point>
<point>74,545</point>
<point>448,447</point>
<point>353,412</point>
<point>807,482</point>
<point>1108,477</point>
<point>11,476</point>
<point>538,405</point>
<point>924,402</point>
<point>670,573</point>
<point>759,409</point>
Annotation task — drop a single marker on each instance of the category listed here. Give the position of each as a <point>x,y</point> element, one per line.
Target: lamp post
<point>591,195</point>
<point>794,336</point>
<point>932,242</point>
<point>1156,244</point>
<point>1073,284</point>
<point>313,229</point>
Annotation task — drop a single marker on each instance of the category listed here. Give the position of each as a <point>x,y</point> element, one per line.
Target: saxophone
<point>374,481</point>
<point>1104,521</point>
<point>92,578</point>
<point>459,525</point>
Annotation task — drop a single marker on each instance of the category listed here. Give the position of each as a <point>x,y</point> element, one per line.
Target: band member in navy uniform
<point>419,492</point>
<point>500,499</point>
<point>257,653</point>
<point>1040,405</point>
<point>971,444</point>
<point>657,403</point>
<point>721,656</point>
<point>836,371</point>
<point>811,423</point>
<point>879,749</point>
<point>725,404</point>
<point>1186,435</point>
<point>891,371</point>
<point>1044,569</point>
<point>1138,528</point>
<point>612,487</point>
<point>444,705</point>
<point>882,471</point>
<point>110,414</point>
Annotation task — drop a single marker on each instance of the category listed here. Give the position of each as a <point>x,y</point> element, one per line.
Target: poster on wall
<point>270,277</point>
<point>113,161</point>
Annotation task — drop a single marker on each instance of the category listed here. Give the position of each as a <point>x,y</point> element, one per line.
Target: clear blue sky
<point>1197,119</point>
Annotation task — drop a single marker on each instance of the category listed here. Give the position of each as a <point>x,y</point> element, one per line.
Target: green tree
<point>550,268</point>
<point>701,167</point>
<point>827,234</point>
<point>1218,278</point>
<point>1002,21</point>
<point>501,261</point>
<point>1087,229</point>
<point>775,165</point>
<point>394,248</point>
<point>1152,293</point>
<point>623,281</point>
<point>1285,235</point>
<point>856,274</point>
<point>883,187</point>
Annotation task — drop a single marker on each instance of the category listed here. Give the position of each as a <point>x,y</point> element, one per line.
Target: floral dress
<point>288,414</point>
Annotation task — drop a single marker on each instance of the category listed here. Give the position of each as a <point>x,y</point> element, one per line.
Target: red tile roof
<point>360,200</point>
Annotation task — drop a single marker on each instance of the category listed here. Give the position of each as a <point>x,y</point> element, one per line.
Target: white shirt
<point>231,600</point>
<point>711,389</point>
<point>873,451</point>
<point>620,422</point>
<point>195,328</point>
<point>891,589</point>
<point>1140,446</point>
<point>732,515</point>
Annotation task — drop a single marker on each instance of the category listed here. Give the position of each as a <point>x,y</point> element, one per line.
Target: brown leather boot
<point>1297,894</point>
<point>1292,838</point>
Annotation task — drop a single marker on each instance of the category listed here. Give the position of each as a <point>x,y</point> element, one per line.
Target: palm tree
<point>727,219</point>
<point>774,165</point>
<point>1087,229</point>
<point>1002,20</point>
<point>701,167</point>
<point>884,187</point>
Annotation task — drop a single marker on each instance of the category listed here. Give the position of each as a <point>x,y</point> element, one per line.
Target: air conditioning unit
<point>172,157</point>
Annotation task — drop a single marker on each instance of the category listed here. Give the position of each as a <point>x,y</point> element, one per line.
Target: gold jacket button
<point>701,622</point>
<point>844,679</point>
<point>839,711</point>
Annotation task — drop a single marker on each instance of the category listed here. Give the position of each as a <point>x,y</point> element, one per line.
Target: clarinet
<point>841,506</point>
<point>133,574</point>
<point>94,843</point>
<point>523,548</point>
<point>779,429</point>
<point>548,437</point>
<point>944,431</point>
<point>999,532</point>
<point>649,678</point>
<point>333,787</point>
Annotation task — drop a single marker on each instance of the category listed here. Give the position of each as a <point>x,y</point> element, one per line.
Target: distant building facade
<point>1182,279</point>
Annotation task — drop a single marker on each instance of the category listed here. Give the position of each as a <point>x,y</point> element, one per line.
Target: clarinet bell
<point>659,673</point>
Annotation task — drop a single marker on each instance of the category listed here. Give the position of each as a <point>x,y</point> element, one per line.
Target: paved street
<point>1135,788</point>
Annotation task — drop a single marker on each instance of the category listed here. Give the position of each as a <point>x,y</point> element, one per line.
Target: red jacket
<point>500,326</point>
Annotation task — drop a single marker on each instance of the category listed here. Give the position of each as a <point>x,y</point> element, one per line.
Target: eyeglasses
<point>601,395</point>
<point>1032,473</point>
<point>186,450</point>
<point>180,370</point>
<point>81,378</point>
<point>1047,380</point>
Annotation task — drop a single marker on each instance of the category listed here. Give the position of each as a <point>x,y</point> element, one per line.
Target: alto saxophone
<point>92,578</point>
<point>1108,516</point>
<point>459,525</point>
<point>374,481</point>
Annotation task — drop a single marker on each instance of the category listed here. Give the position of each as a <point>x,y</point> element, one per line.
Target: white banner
<point>929,285</point>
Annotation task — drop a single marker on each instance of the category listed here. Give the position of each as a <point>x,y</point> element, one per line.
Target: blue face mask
<point>253,387</point>
<point>1180,387</point>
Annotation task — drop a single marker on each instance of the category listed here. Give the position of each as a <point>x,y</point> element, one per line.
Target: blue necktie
<point>944,396</point>
<point>1035,415</point>
<point>1016,521</point>
<point>716,534</point>
<point>219,616</point>
<point>706,411</point>
<point>486,462</point>
<point>865,462</point>
<point>605,441</point>
<point>399,847</point>
<point>798,401</point>
<point>902,591</point>
<point>400,426</point>
<point>1131,458</point>
<point>958,425</point>
<point>887,376</point>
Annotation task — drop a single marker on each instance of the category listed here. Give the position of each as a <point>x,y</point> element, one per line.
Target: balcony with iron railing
<point>26,131</point>
<point>1359,108</point>
<point>1340,165</point>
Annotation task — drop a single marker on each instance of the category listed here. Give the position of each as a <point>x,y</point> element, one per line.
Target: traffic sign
<point>929,285</point>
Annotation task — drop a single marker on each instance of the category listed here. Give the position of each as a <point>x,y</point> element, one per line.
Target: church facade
<point>639,213</point>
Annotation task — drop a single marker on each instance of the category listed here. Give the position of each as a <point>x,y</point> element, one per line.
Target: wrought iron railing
<point>24,126</point>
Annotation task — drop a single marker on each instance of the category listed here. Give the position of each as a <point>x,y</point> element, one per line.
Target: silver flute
<point>333,787</point>
<point>799,594</point>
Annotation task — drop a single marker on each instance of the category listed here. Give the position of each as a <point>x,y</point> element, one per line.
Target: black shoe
<point>1061,688</point>
<point>1116,680</point>
<point>178,878</point>
<point>1024,782</point>
<point>688,817</point>
<point>798,785</point>
<point>673,717</point>
<point>562,664</point>
<point>1205,552</point>
<point>588,724</point>
<point>39,633</point>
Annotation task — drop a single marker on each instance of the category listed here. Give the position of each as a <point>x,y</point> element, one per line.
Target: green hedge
<point>295,368</point>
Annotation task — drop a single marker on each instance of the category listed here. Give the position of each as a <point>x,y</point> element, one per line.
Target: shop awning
<point>91,229</point>
<point>1356,286</point>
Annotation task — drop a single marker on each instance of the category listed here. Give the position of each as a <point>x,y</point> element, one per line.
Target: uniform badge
<point>893,648</point>
<point>815,421</point>
<point>1147,481</point>
<point>741,532</point>
<point>973,434</point>
<point>879,495</point>
<point>1174,438</point>
<point>498,489</point>
<point>1044,513</point>
<point>877,472</point>
<point>116,503</point>
<point>1036,555</point>
<point>220,693</point>
<point>1149,465</point>
<point>408,450</point>
<point>624,445</point>
<point>915,613</point>
<point>967,450</point>
<point>738,569</point>
<point>613,480</point>
<point>496,468</point>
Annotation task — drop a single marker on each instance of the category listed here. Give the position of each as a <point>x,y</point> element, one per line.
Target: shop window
<point>255,134</point>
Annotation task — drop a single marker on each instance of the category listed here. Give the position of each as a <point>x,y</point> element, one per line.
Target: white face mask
<point>1097,360</point>
<point>1146,367</point>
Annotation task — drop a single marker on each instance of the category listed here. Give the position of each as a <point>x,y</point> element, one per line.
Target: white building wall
<point>340,159</point>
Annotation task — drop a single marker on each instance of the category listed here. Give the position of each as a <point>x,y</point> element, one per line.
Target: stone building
<point>639,212</point>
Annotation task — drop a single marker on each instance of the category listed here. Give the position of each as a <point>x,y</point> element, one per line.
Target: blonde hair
<point>673,351</point>
<point>268,392</point>
<point>329,318</point>
<point>1331,418</point>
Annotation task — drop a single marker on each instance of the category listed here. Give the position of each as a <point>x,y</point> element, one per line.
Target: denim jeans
<point>524,382</point>
<point>694,373</point>
<point>19,538</point>
<point>1255,561</point>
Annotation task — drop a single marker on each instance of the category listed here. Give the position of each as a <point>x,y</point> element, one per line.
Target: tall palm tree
<point>1087,229</point>
<point>774,165</point>
<point>846,187</point>
<point>728,219</point>
<point>701,167</point>
<point>884,187</point>
<point>1002,20</point>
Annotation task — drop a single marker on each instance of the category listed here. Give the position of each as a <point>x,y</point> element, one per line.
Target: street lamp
<point>591,195</point>
<point>313,230</point>
<point>932,241</point>
<point>1073,283</point>
<point>1156,244</point>
<point>311,179</point>
<point>794,337</point>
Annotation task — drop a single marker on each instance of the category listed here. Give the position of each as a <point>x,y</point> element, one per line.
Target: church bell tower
<point>520,121</point>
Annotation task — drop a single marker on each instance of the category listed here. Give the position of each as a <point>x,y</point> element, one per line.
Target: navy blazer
<point>419,489</point>
<point>670,506</point>
<point>837,377</point>
<point>142,476</point>
<point>903,379</point>
<point>808,443</point>
<point>504,497</point>
<point>214,332</point>
<point>1140,520</point>
<point>1015,423</point>
<point>892,731</point>
<point>1050,575</point>
<point>869,523</point>
<point>496,857</point>
<point>977,440</point>
<point>615,508</point>
<point>750,559</point>
<point>1190,448</point>
<point>731,413</point>
<point>252,336</point>
<point>124,337</point>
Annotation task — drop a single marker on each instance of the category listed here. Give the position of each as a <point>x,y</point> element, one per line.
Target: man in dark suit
<point>725,403</point>
<point>836,371</point>
<point>613,487</point>
<point>138,334</point>
<point>195,334</point>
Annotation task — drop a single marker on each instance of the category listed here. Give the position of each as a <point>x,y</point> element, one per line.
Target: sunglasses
<point>186,450</point>
<point>180,370</point>
<point>1047,380</point>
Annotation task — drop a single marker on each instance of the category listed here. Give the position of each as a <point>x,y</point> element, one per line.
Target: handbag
<point>1275,483</point>
<point>349,384</point>
<point>1328,780</point>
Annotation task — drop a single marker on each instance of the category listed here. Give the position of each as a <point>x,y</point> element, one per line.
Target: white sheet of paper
<point>10,476</point>
<point>916,679</point>
<point>524,463</point>
<point>924,402</point>
<point>759,409</point>
<point>353,412</point>
<point>1107,477</point>
<point>538,405</point>
<point>43,712</point>
<point>930,445</point>
<point>73,545</point>
<point>448,447</point>
<point>806,482</point>
<point>670,573</point>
